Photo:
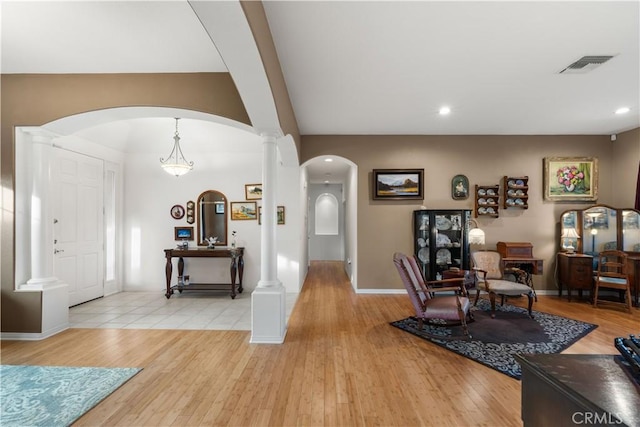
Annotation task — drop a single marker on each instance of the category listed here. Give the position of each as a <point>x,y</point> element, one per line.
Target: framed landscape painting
<point>253,191</point>
<point>398,184</point>
<point>571,179</point>
<point>244,211</point>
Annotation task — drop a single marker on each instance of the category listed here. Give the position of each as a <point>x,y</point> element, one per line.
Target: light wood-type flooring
<point>342,364</point>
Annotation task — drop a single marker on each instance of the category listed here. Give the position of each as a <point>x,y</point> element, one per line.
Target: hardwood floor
<point>341,365</point>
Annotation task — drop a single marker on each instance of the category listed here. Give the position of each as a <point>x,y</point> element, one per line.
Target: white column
<point>37,197</point>
<point>41,228</point>
<point>268,300</point>
<point>268,248</point>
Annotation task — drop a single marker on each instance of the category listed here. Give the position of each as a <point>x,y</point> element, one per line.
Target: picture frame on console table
<point>571,179</point>
<point>398,184</point>
<point>183,233</point>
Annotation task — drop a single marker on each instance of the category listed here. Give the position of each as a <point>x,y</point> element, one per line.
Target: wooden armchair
<point>453,308</point>
<point>490,278</point>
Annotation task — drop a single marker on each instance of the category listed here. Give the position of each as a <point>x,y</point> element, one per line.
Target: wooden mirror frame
<point>616,223</point>
<point>212,210</point>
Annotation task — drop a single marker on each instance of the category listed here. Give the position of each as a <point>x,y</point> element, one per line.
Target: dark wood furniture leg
<point>167,270</point>
<point>240,273</point>
<point>233,277</point>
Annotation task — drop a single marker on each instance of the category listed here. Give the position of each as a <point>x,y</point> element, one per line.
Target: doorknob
<point>58,250</point>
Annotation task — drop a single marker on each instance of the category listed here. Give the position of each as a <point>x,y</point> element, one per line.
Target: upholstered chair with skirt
<point>490,278</point>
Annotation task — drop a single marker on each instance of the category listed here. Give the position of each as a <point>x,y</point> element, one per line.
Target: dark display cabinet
<point>441,240</point>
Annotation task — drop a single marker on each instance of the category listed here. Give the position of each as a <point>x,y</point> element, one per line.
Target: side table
<point>575,271</point>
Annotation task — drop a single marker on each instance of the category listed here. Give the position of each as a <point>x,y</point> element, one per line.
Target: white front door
<point>78,224</point>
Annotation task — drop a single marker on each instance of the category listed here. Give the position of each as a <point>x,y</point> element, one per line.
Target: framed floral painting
<point>571,179</point>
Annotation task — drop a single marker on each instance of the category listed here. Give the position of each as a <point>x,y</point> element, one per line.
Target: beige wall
<point>386,226</point>
<point>626,155</point>
<point>33,100</point>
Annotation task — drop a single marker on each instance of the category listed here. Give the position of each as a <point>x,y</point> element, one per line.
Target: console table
<point>578,389</point>
<point>237,266</point>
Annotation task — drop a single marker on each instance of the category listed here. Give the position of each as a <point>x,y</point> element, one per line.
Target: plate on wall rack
<point>422,242</point>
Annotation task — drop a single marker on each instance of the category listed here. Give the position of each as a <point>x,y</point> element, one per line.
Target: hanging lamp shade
<point>176,164</point>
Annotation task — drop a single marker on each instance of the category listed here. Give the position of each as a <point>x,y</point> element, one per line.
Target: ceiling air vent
<point>586,64</point>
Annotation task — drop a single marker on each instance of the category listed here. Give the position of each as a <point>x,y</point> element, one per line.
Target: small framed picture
<point>220,208</point>
<point>177,211</point>
<point>183,233</point>
<point>459,187</point>
<point>253,191</point>
<point>244,211</point>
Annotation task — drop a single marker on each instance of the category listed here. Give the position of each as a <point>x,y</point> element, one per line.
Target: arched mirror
<point>212,217</point>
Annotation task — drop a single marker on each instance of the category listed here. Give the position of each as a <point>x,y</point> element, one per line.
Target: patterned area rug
<point>54,395</point>
<point>495,341</point>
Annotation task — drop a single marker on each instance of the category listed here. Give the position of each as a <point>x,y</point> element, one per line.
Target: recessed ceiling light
<point>623,110</point>
<point>328,160</point>
<point>326,182</point>
<point>444,111</point>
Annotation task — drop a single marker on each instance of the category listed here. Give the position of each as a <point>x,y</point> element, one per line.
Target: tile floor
<point>152,310</point>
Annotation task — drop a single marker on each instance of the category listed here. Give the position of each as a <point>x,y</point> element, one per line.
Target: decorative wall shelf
<point>487,200</point>
<point>516,192</point>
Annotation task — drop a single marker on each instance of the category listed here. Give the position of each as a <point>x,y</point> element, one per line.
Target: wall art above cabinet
<point>487,200</point>
<point>516,192</point>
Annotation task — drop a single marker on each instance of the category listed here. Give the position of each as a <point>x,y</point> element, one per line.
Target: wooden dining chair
<point>612,274</point>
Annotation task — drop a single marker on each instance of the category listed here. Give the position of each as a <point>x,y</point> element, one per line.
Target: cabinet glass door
<point>450,241</point>
<point>422,238</point>
<point>441,241</point>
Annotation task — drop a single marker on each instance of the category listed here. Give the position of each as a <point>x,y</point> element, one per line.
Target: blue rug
<point>54,395</point>
<point>495,341</point>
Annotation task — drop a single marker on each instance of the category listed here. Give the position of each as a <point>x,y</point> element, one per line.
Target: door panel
<point>78,228</point>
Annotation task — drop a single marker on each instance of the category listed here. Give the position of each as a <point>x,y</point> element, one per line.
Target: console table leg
<point>240,272</point>
<point>233,277</point>
<point>167,270</point>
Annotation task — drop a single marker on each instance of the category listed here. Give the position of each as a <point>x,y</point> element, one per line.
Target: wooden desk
<point>237,266</point>
<point>578,389</point>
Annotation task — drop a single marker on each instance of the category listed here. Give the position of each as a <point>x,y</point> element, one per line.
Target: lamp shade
<point>570,233</point>
<point>476,236</point>
<point>176,164</point>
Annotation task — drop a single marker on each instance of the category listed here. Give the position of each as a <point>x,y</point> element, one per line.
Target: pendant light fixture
<point>176,164</point>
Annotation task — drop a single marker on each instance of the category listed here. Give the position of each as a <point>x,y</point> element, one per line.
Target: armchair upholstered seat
<point>454,307</point>
<point>490,278</point>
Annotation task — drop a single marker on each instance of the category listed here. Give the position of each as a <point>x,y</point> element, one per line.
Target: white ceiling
<point>360,67</point>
